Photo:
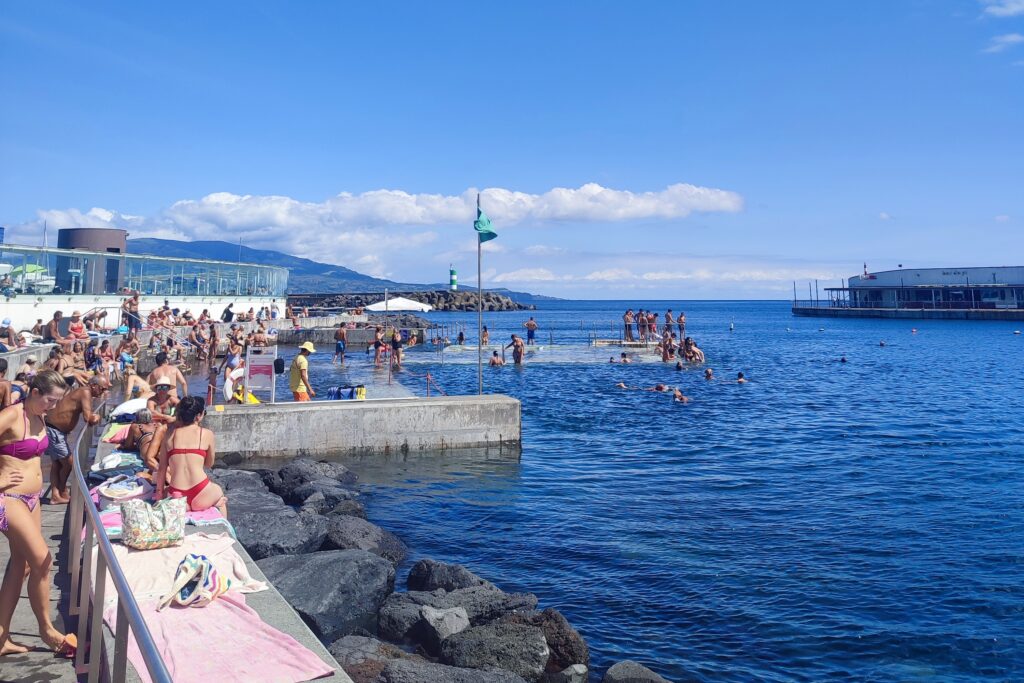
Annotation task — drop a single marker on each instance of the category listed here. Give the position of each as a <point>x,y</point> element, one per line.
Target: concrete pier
<point>910,313</point>
<point>369,427</point>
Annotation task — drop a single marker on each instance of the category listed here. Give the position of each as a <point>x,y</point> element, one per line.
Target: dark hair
<point>21,377</point>
<point>3,366</point>
<point>189,409</point>
<point>161,358</point>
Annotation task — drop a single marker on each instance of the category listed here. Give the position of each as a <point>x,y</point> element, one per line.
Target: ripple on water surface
<point>857,521</point>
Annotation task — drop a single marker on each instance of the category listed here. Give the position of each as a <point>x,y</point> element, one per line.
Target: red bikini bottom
<point>189,494</point>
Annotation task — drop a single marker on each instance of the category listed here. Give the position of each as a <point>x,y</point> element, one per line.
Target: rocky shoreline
<point>441,300</point>
<point>306,527</point>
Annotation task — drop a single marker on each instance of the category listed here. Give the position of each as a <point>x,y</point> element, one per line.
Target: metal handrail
<point>90,630</point>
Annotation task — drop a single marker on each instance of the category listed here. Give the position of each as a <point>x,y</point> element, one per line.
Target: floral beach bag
<point>146,526</point>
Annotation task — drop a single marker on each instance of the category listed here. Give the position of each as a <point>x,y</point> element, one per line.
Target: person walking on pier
<point>627,324</point>
<point>23,439</point>
<point>340,343</point>
<point>531,331</point>
<point>298,377</point>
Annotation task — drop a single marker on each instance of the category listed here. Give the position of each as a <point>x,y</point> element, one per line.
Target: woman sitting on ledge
<point>186,450</point>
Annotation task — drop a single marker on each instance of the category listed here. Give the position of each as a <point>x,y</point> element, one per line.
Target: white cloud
<point>1003,8</point>
<point>1002,218</point>
<point>348,227</point>
<point>530,275</point>
<point>610,275</point>
<point>1000,43</point>
<point>543,250</point>
<point>884,216</point>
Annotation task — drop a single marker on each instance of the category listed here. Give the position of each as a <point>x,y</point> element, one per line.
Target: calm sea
<point>860,521</point>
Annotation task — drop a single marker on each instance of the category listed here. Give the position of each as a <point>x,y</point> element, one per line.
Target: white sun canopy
<point>400,303</point>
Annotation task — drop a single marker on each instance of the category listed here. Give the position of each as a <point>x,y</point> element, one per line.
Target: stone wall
<point>366,427</point>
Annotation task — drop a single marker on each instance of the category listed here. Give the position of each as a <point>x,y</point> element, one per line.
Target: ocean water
<point>858,521</point>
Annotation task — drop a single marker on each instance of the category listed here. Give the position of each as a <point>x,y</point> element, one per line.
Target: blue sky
<point>670,150</point>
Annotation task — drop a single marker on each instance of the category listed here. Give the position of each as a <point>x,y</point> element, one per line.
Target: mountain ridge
<point>305,275</point>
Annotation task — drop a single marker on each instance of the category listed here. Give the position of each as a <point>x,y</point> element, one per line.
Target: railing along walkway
<point>39,664</point>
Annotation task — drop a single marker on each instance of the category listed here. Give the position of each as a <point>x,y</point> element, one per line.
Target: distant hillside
<point>305,276</point>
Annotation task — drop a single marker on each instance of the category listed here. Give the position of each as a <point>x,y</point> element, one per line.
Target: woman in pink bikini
<point>188,448</point>
<point>22,441</point>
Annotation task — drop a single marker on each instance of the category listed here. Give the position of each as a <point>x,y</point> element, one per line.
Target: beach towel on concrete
<point>224,641</point>
<point>150,573</point>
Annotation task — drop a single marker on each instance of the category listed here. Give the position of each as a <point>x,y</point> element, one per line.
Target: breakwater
<point>307,518</point>
<point>369,427</point>
<point>441,300</point>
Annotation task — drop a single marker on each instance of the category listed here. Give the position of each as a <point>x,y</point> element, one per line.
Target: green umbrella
<point>30,268</point>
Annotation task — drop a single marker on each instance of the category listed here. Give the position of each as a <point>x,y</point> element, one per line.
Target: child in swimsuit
<point>186,451</point>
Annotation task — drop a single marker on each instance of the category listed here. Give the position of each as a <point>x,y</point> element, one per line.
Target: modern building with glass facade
<point>995,293</point>
<point>36,281</point>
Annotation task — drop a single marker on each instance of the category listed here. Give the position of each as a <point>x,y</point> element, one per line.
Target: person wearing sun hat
<point>7,336</point>
<point>298,377</point>
<point>163,403</point>
<point>76,328</point>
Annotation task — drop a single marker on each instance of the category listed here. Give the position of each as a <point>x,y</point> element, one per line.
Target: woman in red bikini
<point>188,448</point>
<point>22,441</point>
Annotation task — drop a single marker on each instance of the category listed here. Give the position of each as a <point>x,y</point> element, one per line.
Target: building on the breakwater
<point>975,293</point>
<point>91,272</point>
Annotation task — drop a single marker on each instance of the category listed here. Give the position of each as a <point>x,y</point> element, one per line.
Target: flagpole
<point>479,309</point>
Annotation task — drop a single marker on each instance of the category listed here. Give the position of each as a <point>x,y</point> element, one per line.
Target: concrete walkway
<point>270,605</point>
<point>40,664</point>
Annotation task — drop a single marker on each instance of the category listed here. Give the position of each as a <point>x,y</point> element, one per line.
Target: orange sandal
<point>68,647</point>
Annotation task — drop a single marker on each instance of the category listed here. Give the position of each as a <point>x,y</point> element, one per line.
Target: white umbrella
<point>400,303</point>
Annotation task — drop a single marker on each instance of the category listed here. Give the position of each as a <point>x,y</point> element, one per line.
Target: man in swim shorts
<point>340,343</point>
<point>531,331</point>
<point>61,421</point>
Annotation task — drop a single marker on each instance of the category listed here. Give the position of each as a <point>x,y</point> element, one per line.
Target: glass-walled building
<point>42,271</point>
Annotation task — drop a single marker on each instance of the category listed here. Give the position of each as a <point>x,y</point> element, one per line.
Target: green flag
<point>482,224</point>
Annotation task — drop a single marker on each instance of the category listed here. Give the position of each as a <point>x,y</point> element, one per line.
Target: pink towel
<point>224,641</point>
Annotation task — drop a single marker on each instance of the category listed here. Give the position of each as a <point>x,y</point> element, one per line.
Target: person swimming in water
<point>709,374</point>
<point>678,396</point>
<point>842,359</point>
<point>612,359</point>
<point>740,379</point>
<point>624,357</point>
<point>679,365</point>
<point>496,359</point>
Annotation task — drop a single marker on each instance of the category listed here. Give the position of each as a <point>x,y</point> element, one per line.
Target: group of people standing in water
<point>647,325</point>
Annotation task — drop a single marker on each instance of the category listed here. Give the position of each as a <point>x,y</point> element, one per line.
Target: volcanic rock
<point>336,592</point>
<point>422,671</point>
<point>512,647</point>
<point>265,526</point>
<point>428,575</point>
<point>345,532</point>
<point>401,611</point>
<point>628,671</point>
<point>566,644</point>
